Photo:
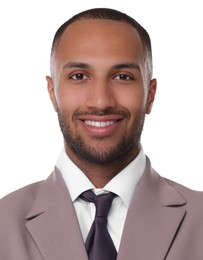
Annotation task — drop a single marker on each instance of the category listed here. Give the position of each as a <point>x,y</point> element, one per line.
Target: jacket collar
<point>53,224</point>
<point>153,220</point>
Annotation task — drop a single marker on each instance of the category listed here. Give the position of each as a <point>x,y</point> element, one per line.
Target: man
<point>101,87</point>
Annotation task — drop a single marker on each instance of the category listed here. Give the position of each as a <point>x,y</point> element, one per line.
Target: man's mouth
<point>99,123</point>
<point>101,126</point>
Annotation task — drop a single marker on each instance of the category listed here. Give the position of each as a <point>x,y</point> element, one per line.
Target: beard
<point>108,155</point>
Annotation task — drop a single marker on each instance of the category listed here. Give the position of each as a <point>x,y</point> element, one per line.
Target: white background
<point>30,139</point>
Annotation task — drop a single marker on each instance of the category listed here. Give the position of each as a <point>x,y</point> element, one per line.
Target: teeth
<point>98,123</point>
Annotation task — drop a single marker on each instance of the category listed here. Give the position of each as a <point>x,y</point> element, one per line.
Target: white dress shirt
<point>123,184</point>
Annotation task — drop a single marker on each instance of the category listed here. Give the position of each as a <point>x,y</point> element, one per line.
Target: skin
<point>99,74</point>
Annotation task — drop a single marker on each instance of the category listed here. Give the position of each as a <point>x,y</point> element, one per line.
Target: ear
<point>151,95</point>
<point>51,90</point>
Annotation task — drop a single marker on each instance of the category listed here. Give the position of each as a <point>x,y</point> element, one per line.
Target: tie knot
<point>102,202</point>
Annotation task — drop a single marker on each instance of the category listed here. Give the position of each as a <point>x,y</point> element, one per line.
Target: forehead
<point>99,38</point>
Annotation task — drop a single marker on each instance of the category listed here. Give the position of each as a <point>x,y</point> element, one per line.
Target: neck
<point>101,173</point>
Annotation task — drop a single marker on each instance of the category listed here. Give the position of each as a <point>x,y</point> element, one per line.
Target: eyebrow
<point>127,65</point>
<point>83,65</point>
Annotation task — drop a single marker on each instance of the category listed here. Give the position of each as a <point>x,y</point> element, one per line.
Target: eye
<point>78,76</point>
<point>123,77</point>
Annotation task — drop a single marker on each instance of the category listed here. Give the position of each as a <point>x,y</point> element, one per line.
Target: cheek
<point>134,100</point>
<point>135,104</point>
<point>69,100</point>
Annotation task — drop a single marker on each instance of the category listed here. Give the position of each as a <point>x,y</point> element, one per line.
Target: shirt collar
<point>75,179</point>
<point>123,184</point>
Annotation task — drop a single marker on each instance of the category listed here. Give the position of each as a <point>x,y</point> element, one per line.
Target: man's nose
<point>101,96</point>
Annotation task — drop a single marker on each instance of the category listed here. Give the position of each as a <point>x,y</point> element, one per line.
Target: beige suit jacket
<point>164,221</point>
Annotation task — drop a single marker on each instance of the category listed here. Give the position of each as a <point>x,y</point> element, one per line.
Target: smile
<point>99,123</point>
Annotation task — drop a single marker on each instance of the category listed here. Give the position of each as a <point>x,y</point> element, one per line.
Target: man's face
<point>99,89</point>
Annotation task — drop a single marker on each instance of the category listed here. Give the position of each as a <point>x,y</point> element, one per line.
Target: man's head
<point>101,86</point>
<point>107,14</point>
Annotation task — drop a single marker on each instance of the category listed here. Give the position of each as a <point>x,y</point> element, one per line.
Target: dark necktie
<point>99,244</point>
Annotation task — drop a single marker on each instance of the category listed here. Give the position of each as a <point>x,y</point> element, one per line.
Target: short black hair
<point>109,14</point>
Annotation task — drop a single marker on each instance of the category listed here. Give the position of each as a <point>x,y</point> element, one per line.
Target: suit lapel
<point>153,219</point>
<point>53,224</point>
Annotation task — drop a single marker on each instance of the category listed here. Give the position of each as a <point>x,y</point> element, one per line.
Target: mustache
<point>96,112</point>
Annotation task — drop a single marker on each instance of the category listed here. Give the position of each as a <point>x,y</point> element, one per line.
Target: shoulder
<point>190,194</point>
<point>165,187</point>
<point>14,208</point>
<point>17,203</point>
<point>193,198</point>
